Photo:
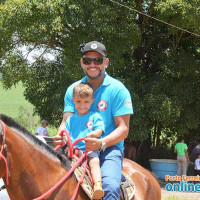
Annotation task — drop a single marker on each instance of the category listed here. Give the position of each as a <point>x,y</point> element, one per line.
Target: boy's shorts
<point>93,154</point>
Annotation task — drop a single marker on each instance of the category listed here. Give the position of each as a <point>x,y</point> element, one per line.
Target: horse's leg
<point>146,186</point>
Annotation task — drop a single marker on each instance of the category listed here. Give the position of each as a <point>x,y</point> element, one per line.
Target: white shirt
<point>42,131</point>
<point>197,164</point>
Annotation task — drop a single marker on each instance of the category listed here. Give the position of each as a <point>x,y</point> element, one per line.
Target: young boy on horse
<point>87,124</point>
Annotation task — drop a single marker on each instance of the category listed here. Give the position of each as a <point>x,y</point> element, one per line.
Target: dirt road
<point>181,195</point>
<point>3,193</point>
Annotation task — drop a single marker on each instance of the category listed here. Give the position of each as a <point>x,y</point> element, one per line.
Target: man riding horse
<point>113,103</point>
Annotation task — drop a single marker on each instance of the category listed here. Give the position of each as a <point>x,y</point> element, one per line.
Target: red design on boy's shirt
<point>89,124</point>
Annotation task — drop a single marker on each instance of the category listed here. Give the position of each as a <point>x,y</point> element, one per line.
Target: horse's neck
<point>32,171</point>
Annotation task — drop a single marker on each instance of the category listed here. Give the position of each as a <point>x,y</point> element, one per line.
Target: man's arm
<point>119,134</point>
<point>186,154</point>
<point>121,131</point>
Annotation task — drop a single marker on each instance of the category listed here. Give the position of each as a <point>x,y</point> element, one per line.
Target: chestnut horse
<point>35,168</point>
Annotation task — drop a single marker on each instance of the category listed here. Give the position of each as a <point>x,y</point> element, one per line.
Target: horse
<point>129,150</point>
<point>35,168</point>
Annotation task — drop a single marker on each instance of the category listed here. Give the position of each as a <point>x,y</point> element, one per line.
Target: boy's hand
<point>60,140</point>
<point>89,135</point>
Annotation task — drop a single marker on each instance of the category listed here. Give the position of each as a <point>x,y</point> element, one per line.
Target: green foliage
<point>31,122</point>
<point>26,118</point>
<point>182,13</point>
<point>158,64</point>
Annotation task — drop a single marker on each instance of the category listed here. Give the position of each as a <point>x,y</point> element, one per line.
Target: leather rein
<point>70,155</point>
<point>4,149</point>
<point>78,162</point>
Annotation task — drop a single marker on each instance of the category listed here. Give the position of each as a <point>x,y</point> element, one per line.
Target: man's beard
<point>102,72</point>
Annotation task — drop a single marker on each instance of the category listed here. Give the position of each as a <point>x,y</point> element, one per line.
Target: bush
<point>31,122</point>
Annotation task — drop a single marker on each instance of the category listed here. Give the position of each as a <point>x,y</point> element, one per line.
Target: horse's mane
<point>13,124</point>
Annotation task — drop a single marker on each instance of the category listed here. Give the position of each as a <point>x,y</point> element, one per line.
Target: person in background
<point>182,156</point>
<point>197,165</point>
<point>42,130</point>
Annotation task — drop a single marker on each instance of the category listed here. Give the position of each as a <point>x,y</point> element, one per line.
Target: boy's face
<point>83,104</point>
<point>44,125</point>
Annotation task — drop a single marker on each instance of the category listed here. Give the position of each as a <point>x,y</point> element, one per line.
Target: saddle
<point>127,186</point>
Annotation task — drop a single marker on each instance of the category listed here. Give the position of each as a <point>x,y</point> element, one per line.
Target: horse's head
<point>1,133</point>
<point>3,153</point>
<point>2,163</point>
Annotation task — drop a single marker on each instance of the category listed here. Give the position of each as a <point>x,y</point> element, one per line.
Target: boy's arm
<point>195,164</point>
<point>37,131</point>
<point>58,139</point>
<point>95,133</point>
<point>66,115</point>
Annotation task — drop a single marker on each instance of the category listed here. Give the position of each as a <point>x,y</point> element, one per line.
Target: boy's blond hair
<point>83,90</point>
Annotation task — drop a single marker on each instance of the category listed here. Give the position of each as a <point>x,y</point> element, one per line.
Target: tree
<point>157,62</point>
<point>58,27</point>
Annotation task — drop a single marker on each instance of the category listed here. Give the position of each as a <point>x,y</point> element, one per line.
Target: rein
<point>5,150</point>
<point>70,155</point>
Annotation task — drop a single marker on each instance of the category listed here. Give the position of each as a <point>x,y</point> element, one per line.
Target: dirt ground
<point>177,195</point>
<point>165,194</point>
<point>180,195</point>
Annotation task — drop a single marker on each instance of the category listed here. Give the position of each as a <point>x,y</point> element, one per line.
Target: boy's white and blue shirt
<point>111,99</point>
<point>80,125</point>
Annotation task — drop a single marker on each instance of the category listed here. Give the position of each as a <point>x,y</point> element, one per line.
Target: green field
<point>10,103</point>
<point>12,99</point>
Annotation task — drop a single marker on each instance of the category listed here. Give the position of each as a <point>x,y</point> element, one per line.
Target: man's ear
<point>81,62</point>
<point>106,62</point>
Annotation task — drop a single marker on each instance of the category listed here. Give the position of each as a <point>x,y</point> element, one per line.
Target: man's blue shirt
<point>111,99</point>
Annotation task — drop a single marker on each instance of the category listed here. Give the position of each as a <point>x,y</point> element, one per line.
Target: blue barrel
<point>163,167</point>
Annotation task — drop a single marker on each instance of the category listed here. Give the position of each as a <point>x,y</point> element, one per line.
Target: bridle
<point>5,150</point>
<point>65,177</point>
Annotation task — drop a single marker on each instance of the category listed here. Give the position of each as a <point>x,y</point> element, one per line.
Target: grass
<point>173,198</point>
<point>14,105</point>
<point>12,99</point>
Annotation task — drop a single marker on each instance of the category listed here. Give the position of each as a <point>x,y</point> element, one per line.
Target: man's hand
<point>60,140</point>
<point>92,144</point>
